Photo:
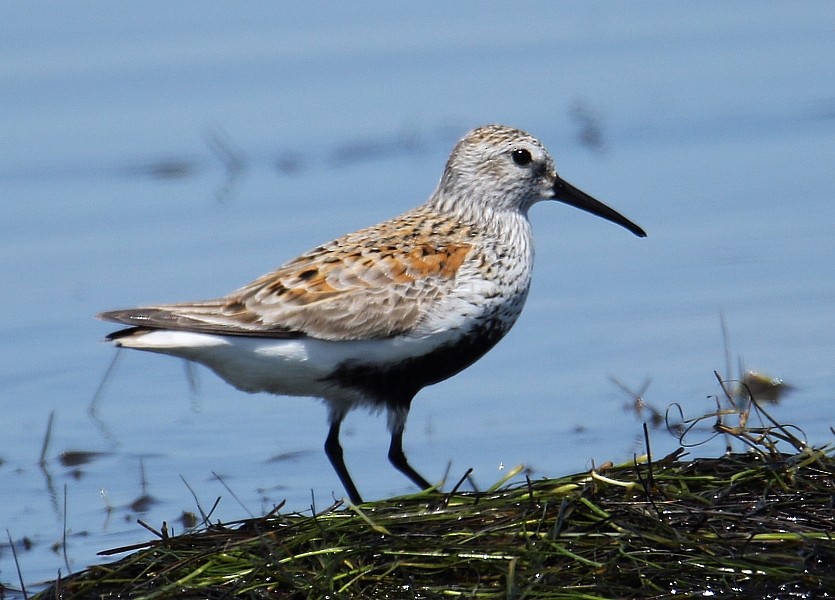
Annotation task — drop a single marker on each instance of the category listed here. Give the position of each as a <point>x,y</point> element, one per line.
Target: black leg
<point>398,459</point>
<point>334,451</point>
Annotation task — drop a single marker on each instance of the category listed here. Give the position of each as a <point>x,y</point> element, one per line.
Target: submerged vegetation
<point>756,524</point>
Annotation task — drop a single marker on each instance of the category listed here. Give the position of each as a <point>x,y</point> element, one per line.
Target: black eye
<point>521,157</point>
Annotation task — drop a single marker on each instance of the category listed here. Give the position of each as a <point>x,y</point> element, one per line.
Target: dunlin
<point>371,318</point>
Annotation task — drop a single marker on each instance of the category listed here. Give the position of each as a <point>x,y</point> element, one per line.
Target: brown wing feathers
<point>337,291</point>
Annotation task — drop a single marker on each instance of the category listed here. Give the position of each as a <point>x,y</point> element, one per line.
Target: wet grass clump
<point>758,524</point>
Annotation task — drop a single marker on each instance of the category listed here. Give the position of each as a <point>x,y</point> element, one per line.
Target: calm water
<point>165,152</point>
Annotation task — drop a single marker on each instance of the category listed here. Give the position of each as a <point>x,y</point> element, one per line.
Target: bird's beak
<point>568,194</point>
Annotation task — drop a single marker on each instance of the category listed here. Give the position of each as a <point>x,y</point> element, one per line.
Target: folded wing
<point>339,291</point>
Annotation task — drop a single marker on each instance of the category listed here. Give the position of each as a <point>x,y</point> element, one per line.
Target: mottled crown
<point>495,167</point>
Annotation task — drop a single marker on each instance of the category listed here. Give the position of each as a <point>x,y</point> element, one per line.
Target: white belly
<point>290,367</point>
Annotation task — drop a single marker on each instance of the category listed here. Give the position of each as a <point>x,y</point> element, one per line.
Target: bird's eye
<point>521,157</point>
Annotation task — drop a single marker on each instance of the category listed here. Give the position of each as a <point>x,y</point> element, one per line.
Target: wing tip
<point>125,316</point>
<point>144,320</point>
<point>130,317</point>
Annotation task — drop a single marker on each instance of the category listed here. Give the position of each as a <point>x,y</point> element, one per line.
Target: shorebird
<point>374,316</point>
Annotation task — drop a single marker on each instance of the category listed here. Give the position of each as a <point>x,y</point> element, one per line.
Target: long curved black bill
<point>568,194</point>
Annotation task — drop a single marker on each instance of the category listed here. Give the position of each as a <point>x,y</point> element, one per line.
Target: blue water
<point>161,152</point>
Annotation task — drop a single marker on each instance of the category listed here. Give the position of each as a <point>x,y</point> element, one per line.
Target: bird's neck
<point>508,225</point>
